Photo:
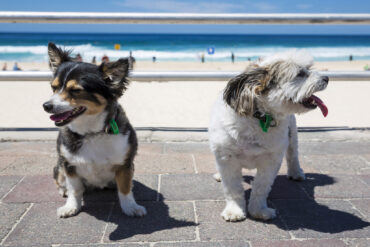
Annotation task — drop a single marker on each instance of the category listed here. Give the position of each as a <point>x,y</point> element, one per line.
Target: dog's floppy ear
<point>115,75</point>
<point>57,56</point>
<point>242,90</point>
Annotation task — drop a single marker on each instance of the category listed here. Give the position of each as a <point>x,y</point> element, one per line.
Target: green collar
<point>265,119</point>
<point>114,126</point>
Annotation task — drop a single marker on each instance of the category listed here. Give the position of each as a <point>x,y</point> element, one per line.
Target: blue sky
<point>195,6</point>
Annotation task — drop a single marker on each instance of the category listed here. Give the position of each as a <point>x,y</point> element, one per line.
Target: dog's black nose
<point>48,106</point>
<point>325,78</point>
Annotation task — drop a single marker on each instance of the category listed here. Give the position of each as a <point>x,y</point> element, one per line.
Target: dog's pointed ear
<point>57,56</point>
<point>241,91</point>
<point>115,75</point>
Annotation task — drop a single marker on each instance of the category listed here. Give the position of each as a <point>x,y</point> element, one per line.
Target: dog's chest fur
<point>97,155</point>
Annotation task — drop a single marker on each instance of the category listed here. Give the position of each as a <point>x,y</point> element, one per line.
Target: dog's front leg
<point>231,174</point>
<point>261,187</point>
<point>294,169</point>
<point>75,189</point>
<point>127,201</point>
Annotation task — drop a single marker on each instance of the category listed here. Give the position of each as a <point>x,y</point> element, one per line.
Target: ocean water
<point>26,47</point>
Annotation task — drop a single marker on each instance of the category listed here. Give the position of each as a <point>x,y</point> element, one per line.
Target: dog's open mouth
<point>66,117</point>
<point>313,101</point>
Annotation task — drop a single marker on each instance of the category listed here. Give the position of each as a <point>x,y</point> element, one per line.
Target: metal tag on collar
<point>266,123</point>
<point>114,126</point>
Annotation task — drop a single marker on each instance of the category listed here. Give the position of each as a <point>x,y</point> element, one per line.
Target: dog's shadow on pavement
<point>299,208</point>
<point>160,217</point>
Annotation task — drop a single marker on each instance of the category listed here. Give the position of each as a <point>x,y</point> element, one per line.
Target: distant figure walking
<point>131,61</point>
<point>105,59</point>
<point>232,57</point>
<point>78,58</point>
<point>154,59</point>
<point>93,61</point>
<point>16,67</point>
<point>202,57</point>
<point>5,67</point>
<point>350,57</point>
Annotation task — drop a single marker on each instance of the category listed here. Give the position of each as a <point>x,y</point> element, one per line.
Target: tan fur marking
<point>73,84</point>
<point>55,83</point>
<point>92,107</point>
<point>124,176</point>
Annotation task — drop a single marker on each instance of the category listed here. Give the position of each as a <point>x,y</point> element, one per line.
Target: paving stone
<point>7,183</point>
<point>165,221</point>
<point>367,157</point>
<point>307,168</point>
<point>190,187</point>
<point>151,163</point>
<point>338,164</point>
<point>145,147</point>
<point>187,147</point>
<point>31,165</point>
<point>6,161</point>
<point>43,189</point>
<point>363,205</point>
<point>42,226</point>
<point>350,148</point>
<point>363,242</point>
<point>365,178</point>
<point>35,189</point>
<point>106,245</point>
<point>213,227</point>
<point>27,148</point>
<point>145,189</point>
<point>300,243</point>
<point>334,186</point>
<point>9,214</point>
<point>285,188</point>
<point>205,244</point>
<point>331,219</point>
<point>205,163</point>
<point>282,188</point>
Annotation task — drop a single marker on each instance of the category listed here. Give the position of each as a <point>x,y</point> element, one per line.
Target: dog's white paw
<point>233,212</point>
<point>134,210</point>
<point>297,174</point>
<point>217,177</point>
<point>263,213</point>
<point>67,211</point>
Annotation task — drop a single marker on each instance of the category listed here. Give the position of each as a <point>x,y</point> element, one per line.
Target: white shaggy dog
<point>253,126</point>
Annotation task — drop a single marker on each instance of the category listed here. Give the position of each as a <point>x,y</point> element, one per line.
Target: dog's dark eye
<point>302,73</point>
<point>75,90</point>
<point>54,88</point>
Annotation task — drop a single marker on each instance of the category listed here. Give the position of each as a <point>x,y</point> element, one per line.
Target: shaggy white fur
<point>280,85</point>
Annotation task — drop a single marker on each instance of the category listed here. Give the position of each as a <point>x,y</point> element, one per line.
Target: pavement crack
<point>16,224</point>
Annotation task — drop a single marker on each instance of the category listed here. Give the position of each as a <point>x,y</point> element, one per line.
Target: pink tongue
<point>321,104</point>
<point>59,117</point>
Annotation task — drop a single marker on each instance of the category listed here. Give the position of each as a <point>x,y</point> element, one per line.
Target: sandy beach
<point>197,66</point>
<point>187,104</point>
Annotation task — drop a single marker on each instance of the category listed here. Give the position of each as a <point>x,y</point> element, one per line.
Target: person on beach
<point>93,61</point>
<point>232,57</point>
<point>5,67</point>
<point>78,58</point>
<point>154,59</point>
<point>131,61</point>
<point>16,67</point>
<point>105,59</point>
<point>350,57</point>
<point>202,57</point>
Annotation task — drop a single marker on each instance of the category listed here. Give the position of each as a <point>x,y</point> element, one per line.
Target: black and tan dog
<point>96,143</point>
